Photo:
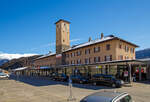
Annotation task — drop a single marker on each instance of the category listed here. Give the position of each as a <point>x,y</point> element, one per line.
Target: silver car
<point>108,97</point>
<point>4,75</point>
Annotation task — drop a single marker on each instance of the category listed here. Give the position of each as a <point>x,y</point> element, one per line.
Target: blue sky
<point>27,26</point>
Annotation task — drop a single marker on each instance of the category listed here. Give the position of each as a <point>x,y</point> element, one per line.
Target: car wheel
<point>114,85</point>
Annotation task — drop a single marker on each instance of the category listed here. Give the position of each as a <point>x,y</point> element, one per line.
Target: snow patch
<point>14,56</point>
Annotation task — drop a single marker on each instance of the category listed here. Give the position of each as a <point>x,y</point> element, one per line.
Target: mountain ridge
<point>141,54</point>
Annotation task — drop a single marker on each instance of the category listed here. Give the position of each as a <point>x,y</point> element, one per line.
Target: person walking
<point>134,77</point>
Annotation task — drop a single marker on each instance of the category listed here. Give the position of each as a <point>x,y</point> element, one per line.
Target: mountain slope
<point>20,62</point>
<point>2,61</point>
<point>143,54</point>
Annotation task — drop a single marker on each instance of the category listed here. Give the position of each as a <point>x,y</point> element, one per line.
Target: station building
<point>106,48</point>
<point>108,55</point>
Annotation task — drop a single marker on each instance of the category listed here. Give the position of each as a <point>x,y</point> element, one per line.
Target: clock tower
<point>62,40</point>
<point>62,36</point>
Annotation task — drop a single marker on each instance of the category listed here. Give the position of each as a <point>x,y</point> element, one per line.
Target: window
<point>73,62</point>
<point>79,61</point>
<point>78,53</point>
<point>67,55</point>
<point>65,26</point>
<point>96,49</point>
<point>132,50</point>
<point>87,60</point>
<point>126,57</point>
<point>72,54</point>
<point>120,46</point>
<point>108,47</point>
<point>120,57</point>
<point>126,48</point>
<point>87,51</point>
<point>57,26</point>
<point>108,58</point>
<point>96,59</point>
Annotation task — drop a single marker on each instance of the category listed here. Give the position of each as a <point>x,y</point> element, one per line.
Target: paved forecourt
<point>45,90</point>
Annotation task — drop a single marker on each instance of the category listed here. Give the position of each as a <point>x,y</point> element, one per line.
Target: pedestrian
<point>134,77</point>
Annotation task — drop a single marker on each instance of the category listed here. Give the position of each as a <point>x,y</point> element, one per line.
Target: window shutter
<point>105,58</point>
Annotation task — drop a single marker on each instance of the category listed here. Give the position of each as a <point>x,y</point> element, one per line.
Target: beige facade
<point>103,54</point>
<point>108,48</point>
<point>49,61</point>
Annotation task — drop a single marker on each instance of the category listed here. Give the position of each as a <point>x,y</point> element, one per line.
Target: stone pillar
<point>148,71</point>
<point>129,73</point>
<point>140,73</point>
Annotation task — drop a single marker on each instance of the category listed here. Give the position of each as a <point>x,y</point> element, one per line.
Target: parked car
<point>108,97</point>
<point>79,79</point>
<point>62,77</point>
<point>53,76</point>
<point>59,77</point>
<point>4,75</point>
<point>108,80</point>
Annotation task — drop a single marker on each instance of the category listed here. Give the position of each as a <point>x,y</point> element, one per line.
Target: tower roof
<point>62,20</point>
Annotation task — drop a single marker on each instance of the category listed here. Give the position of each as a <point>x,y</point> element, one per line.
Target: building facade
<point>48,60</point>
<point>106,48</point>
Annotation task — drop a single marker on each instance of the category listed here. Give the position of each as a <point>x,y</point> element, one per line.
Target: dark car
<point>63,77</point>
<point>53,76</point>
<point>109,80</point>
<point>59,77</point>
<point>79,79</point>
<point>108,97</point>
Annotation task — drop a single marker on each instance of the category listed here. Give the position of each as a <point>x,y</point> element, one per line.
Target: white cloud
<point>74,40</point>
<point>13,56</point>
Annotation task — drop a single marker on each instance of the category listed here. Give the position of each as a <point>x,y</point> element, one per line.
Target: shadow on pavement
<point>144,82</point>
<point>45,81</point>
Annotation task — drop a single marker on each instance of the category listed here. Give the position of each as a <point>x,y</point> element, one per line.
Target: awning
<point>45,67</point>
<point>21,68</point>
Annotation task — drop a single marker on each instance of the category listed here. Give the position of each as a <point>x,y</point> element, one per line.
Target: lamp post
<point>71,97</point>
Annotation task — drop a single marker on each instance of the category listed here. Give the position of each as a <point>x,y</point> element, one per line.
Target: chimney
<point>102,35</point>
<point>90,39</point>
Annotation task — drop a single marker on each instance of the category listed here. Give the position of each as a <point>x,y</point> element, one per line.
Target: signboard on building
<point>58,56</point>
<point>99,66</point>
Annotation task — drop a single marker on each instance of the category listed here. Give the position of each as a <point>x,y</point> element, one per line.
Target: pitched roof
<point>62,20</point>
<point>90,43</point>
<point>47,55</point>
<point>107,38</point>
<point>111,37</point>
